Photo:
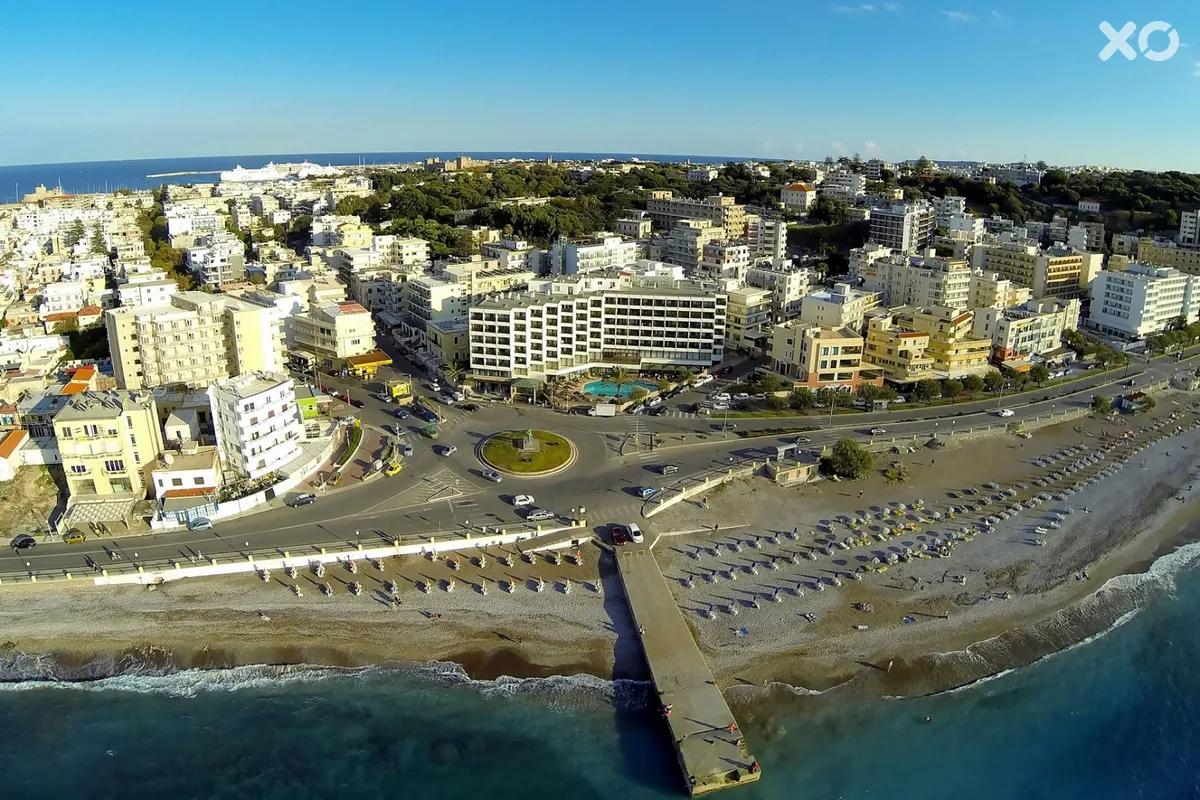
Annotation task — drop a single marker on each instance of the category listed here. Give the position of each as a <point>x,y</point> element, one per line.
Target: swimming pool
<point>607,389</point>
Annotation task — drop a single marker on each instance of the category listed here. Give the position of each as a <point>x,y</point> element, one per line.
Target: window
<point>78,469</point>
<point>177,481</point>
<point>66,432</point>
<point>114,465</point>
<point>199,481</point>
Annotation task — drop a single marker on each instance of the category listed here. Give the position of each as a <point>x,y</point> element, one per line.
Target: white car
<point>458,396</point>
<point>635,533</point>
<point>434,386</point>
<point>702,380</point>
<point>900,400</point>
<point>1004,412</point>
<point>720,406</point>
<point>654,402</point>
<point>522,500</point>
<point>741,396</point>
<point>878,431</point>
<point>721,397</point>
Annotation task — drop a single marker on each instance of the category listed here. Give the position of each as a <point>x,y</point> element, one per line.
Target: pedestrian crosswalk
<point>441,485</point>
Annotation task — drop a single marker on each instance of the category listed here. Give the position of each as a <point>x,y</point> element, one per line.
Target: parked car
<point>406,450</point>
<point>878,431</point>
<point>522,500</point>
<point>536,514</point>
<point>624,534</point>
<point>1004,412</point>
<point>382,397</point>
<point>23,542</point>
<point>645,492</point>
<point>449,450</point>
<point>492,475</point>
<point>668,469</point>
<point>638,409</point>
<point>720,407</point>
<point>458,396</point>
<point>635,533</point>
<point>702,380</point>
<point>654,402</point>
<point>306,499</point>
<point>721,397</point>
<point>740,396</point>
<point>74,536</point>
<point>469,407</point>
<point>658,412</point>
<point>899,400</point>
<point>200,524</point>
<point>401,413</point>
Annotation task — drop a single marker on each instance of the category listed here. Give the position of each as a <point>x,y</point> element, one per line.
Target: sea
<point>106,176</point>
<point>1114,716</point>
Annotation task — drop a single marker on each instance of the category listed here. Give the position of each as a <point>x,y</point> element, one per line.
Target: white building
<point>1027,330</point>
<point>217,259</point>
<point>147,289</point>
<point>257,423</point>
<point>946,207</point>
<point>514,254</point>
<point>703,174</point>
<point>918,281</point>
<point>1142,300</point>
<point>767,238</point>
<point>64,296</point>
<point>964,227</point>
<point>724,261</point>
<point>905,227</point>
<point>844,185</point>
<point>571,258</point>
<point>787,284</point>
<point>875,168</point>
<point>1189,229</point>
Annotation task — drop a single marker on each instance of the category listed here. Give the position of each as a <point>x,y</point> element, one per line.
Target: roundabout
<point>528,453</point>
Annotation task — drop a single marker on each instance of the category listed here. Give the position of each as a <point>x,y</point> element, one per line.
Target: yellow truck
<point>400,390</point>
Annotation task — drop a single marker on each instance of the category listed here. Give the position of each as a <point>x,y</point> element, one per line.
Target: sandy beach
<point>994,602</point>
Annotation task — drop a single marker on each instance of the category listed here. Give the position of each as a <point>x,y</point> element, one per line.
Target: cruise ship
<point>279,172</point>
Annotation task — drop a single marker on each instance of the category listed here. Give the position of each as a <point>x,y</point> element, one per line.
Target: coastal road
<point>443,495</point>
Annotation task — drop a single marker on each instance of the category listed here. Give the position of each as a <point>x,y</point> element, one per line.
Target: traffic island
<point>527,453</point>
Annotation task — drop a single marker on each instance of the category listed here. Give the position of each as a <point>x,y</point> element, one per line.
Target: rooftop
<point>103,405</point>
<point>252,383</point>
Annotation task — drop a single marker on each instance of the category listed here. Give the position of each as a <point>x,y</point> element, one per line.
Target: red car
<point>620,535</point>
<point>346,396</point>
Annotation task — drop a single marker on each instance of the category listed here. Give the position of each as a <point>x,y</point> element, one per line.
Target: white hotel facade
<point>629,323</point>
<point>257,423</point>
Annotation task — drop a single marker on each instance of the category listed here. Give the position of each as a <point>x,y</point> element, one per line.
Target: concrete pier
<point>711,755</point>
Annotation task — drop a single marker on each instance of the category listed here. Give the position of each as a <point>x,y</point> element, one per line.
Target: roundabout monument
<point>528,453</point>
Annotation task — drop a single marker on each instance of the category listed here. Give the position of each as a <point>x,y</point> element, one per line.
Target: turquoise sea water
<point>1114,717</point>
<point>607,389</point>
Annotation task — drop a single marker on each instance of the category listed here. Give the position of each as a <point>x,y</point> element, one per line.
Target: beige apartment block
<point>109,443</point>
<point>901,355</point>
<point>991,290</point>
<point>667,210</point>
<point>748,316</point>
<point>1162,253</point>
<point>817,357</point>
<point>954,348</point>
<point>1057,272</point>
<point>844,307</point>
<point>685,245</point>
<point>333,332</point>
<point>195,339</point>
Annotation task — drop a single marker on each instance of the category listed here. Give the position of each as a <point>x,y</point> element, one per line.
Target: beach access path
<point>709,744</point>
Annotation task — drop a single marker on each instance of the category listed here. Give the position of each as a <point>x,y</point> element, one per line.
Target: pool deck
<point>708,742</point>
<point>626,387</point>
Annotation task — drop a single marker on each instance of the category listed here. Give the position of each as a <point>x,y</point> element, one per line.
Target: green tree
<point>776,403</point>
<point>993,380</point>
<point>952,388</point>
<point>66,326</point>
<point>826,397</point>
<point>849,459</point>
<point>452,373</point>
<point>770,383</point>
<point>73,234</point>
<point>1101,404</point>
<point>638,394</point>
<point>99,246</point>
<point>619,377</point>
<point>1039,374</point>
<point>683,376</point>
<point>664,384</point>
<point>928,389</point>
<point>801,399</point>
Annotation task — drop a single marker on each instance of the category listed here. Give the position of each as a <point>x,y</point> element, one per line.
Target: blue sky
<point>959,79</point>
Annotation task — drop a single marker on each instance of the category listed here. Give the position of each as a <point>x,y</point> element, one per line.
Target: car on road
<point>492,475</point>
<point>720,407</point>
<point>347,398</point>
<point>23,542</point>
<point>522,500</point>
<point>658,411</point>
<point>401,413</point>
<point>434,386</point>
<point>727,426</point>
<point>878,431</point>
<point>458,396</point>
<point>624,534</point>
<point>1004,412</point>
<point>537,514</point>
<point>740,396</point>
<point>406,450</point>
<point>74,536</point>
<point>668,469</point>
<point>306,499</point>
<point>703,380</point>
<point>802,440</point>
<point>449,450</point>
<point>426,414</point>
<point>653,402</point>
<point>430,431</point>
<point>469,407</point>
<point>637,409</point>
<point>200,524</point>
<point>645,492</point>
<point>721,397</point>
<point>393,469</point>
<point>382,397</point>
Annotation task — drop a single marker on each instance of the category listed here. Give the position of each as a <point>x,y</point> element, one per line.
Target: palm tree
<point>557,392</point>
<point>452,373</point>
<point>664,384</point>
<point>619,376</point>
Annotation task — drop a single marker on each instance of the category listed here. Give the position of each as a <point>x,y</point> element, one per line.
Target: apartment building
<point>723,212</point>
<point>703,174</point>
<point>747,315</point>
<point>875,168</point>
<point>1142,300</point>
<point>590,255</point>
<point>861,258</point>
<point>945,208</point>
<point>513,254</point>
<point>64,296</point>
<point>797,196</point>
<point>905,227</point>
<point>724,261</point>
<point>642,324</point>
<point>109,442</point>
<point>685,244</point>
<point>1027,330</point>
<point>963,228</point>
<point>634,227</point>
<point>257,423</point>
<point>195,339</point>
<point>918,281</point>
<point>1086,236</point>
<point>1125,244</point>
<point>331,333</point>
<point>990,290</point>
<point>217,259</point>
<point>900,354</point>
<point>147,289</point>
<point>787,284</point>
<point>818,357</point>
<point>1165,253</point>
<point>1057,272</point>
<point>325,230</point>
<point>844,185</point>
<point>766,237</point>
<point>1189,229</point>
<point>843,307</point>
<point>954,348</point>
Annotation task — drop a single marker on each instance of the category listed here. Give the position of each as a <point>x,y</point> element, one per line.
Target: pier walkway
<point>711,755</point>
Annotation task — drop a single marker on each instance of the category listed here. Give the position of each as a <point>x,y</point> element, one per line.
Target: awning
<point>527,383</point>
<point>371,360</point>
